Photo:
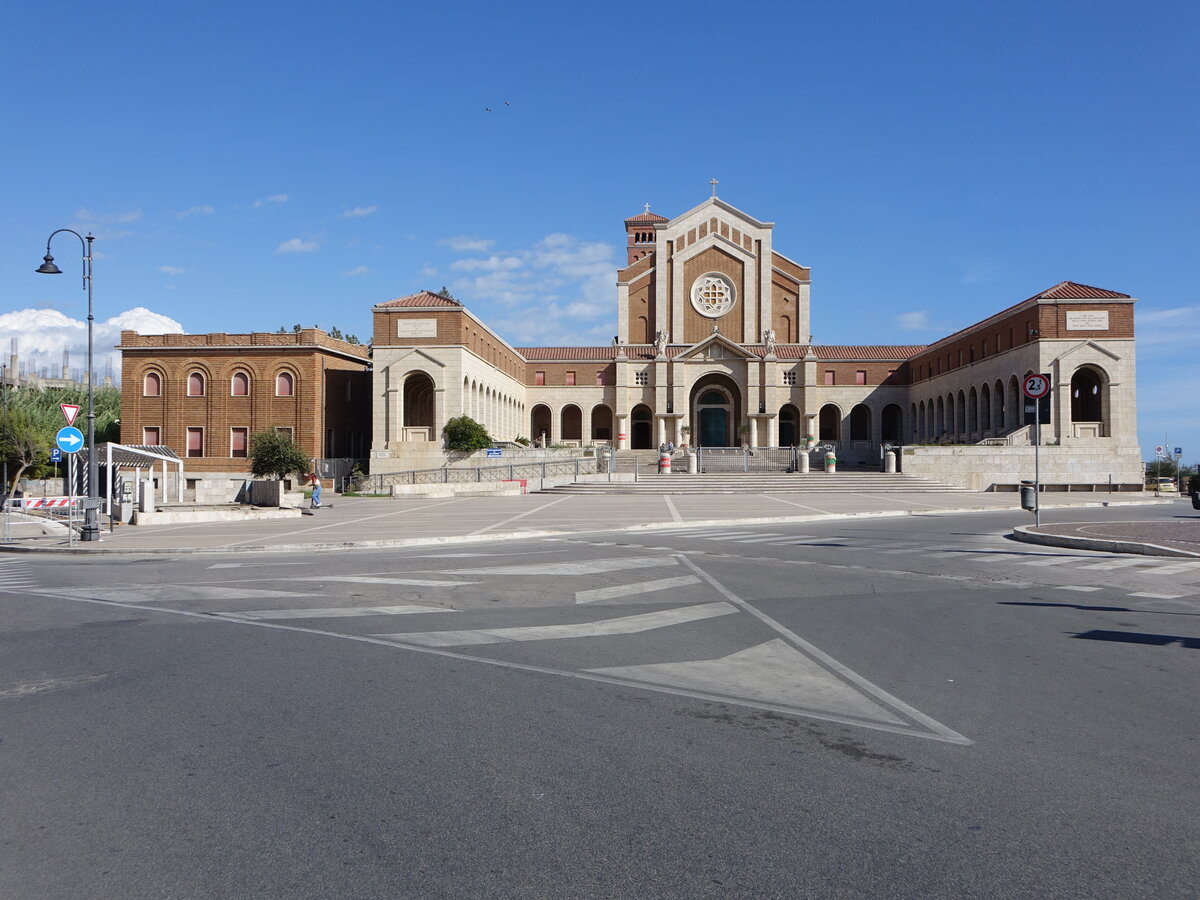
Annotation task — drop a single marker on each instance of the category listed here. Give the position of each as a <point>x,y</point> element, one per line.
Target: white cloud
<point>172,270</point>
<point>357,270</point>
<point>428,271</point>
<point>558,291</point>
<point>43,334</point>
<point>914,321</point>
<point>979,271</point>
<point>274,198</point>
<point>197,211</point>
<point>86,215</point>
<point>466,244</point>
<point>1166,327</point>
<point>358,212</point>
<point>296,245</point>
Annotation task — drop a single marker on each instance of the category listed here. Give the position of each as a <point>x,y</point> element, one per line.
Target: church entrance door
<point>714,428</point>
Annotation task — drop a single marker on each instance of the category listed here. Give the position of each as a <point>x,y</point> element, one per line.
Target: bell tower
<point>639,233</point>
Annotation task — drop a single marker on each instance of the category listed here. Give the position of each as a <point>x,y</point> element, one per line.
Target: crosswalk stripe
<point>630,590</point>
<point>1076,587</point>
<point>1150,596</point>
<point>759,540</point>
<point>601,628</point>
<point>1112,564</point>
<point>1051,561</point>
<point>584,567</point>
<point>335,613</point>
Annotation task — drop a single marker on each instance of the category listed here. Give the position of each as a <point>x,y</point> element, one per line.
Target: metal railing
<point>550,468</point>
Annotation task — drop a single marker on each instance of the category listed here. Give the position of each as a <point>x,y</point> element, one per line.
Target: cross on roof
<point>714,184</point>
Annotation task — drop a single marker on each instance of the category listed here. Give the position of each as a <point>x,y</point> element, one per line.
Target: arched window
<point>860,423</point>
<point>285,384</point>
<point>196,384</point>
<point>152,385</point>
<point>829,423</point>
<point>240,386</point>
<point>1087,391</point>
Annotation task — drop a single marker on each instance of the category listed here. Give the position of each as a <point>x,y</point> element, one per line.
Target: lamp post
<point>91,511</point>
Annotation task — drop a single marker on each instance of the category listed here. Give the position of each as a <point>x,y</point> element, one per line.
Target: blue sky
<point>251,165</point>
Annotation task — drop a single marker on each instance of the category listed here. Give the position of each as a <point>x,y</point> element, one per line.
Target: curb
<point>641,527</point>
<point>1024,533</point>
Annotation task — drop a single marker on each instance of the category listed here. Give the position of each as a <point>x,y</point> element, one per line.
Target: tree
<point>296,329</point>
<point>273,454</point>
<point>445,292</point>
<point>25,440</point>
<point>335,332</point>
<point>465,434</point>
<point>32,416</point>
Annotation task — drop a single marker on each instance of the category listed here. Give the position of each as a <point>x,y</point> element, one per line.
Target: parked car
<point>1164,484</point>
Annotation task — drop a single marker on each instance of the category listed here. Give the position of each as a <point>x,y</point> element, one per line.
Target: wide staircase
<point>650,481</point>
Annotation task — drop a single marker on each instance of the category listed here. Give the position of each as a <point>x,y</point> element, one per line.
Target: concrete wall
<point>978,468</point>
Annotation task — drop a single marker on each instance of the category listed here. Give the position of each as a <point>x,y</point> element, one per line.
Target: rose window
<point>713,295</point>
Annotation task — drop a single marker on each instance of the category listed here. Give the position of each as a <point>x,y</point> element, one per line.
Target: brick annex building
<point>713,348</point>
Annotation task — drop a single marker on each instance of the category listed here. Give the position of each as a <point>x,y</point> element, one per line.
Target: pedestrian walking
<point>315,480</point>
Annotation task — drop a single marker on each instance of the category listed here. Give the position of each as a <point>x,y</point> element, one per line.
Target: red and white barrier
<point>45,502</point>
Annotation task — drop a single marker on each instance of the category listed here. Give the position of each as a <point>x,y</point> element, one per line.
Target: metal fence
<point>530,471</point>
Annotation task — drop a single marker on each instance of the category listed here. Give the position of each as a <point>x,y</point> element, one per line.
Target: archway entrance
<point>716,410</point>
<point>642,437</point>
<point>789,426</point>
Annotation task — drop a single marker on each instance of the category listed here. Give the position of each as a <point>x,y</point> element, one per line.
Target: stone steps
<point>763,482</point>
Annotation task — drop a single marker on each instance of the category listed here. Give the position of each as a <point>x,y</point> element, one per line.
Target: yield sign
<point>70,411</point>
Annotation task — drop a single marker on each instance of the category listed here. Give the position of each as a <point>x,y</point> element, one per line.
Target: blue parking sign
<point>1179,451</point>
<point>55,455</point>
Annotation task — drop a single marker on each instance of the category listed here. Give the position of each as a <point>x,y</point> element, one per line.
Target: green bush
<point>464,434</point>
<point>273,454</point>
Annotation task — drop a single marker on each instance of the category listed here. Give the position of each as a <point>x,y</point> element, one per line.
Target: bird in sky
<point>487,109</point>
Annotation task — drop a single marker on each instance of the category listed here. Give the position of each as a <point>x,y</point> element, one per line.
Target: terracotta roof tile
<point>570,354</point>
<point>423,299</point>
<point>647,217</point>
<point>885,352</point>
<point>1070,290</point>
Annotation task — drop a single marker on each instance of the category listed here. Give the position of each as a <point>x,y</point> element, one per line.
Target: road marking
<point>630,590</point>
<point>772,672</point>
<point>675,516</point>
<point>167,593</point>
<point>1112,564</point>
<point>937,728</point>
<point>376,579</point>
<point>602,628</point>
<point>1051,561</point>
<point>823,512</point>
<point>259,565</point>
<point>1076,587</point>
<point>336,613</point>
<point>584,567</point>
<point>1157,596</point>
<point>726,535</point>
<point>759,540</point>
<point>342,524</point>
<point>1177,569</point>
<point>529,512</point>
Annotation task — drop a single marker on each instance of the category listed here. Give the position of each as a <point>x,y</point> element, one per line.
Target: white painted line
<point>601,628</point>
<point>530,512</point>
<point>630,590</point>
<point>759,540</point>
<point>813,652</point>
<point>584,567</point>
<point>260,565</point>
<point>342,525</point>
<point>376,579</point>
<point>1051,561</point>
<point>336,613</point>
<point>1112,564</point>
<point>1076,587</point>
<point>794,503</point>
<point>675,516</point>
<point>1169,570</point>
<point>1150,596</point>
<point>732,534</point>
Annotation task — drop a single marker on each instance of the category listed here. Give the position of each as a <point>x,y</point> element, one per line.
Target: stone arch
<point>939,423</point>
<point>641,429</point>
<point>891,424</point>
<point>602,421</point>
<point>152,383</point>
<point>829,423</point>
<point>860,422</point>
<point>789,426</point>
<point>921,423</point>
<point>972,411</point>
<point>418,401</point>
<point>1089,397</point>
<point>1000,405</point>
<point>540,422</point>
<point>985,407</point>
<point>571,419</point>
<point>960,414</point>
<point>715,410</point>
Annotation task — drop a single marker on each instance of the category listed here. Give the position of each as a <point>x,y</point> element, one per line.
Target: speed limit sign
<point>1036,386</point>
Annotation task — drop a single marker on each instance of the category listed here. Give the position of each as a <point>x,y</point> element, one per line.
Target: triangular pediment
<point>416,351</point>
<point>716,346</point>
<point>1088,346</point>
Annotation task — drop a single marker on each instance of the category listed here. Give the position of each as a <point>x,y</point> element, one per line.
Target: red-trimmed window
<point>570,378</point>
<point>196,384</point>
<point>238,442</point>
<point>150,437</point>
<point>285,384</point>
<point>860,377</point>
<point>152,385</point>
<point>195,442</point>
<point>240,385</point>
<point>829,377</point>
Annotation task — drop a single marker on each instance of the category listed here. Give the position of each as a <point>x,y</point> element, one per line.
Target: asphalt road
<point>913,707</point>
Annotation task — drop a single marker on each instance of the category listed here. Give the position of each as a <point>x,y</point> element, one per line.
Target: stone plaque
<point>1088,320</point>
<point>416,328</point>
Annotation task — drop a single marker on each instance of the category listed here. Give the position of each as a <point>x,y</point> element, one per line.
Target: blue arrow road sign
<point>69,439</point>
<point>55,455</point>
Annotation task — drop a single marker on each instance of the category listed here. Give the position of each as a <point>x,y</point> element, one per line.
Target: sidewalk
<point>1180,537</point>
<point>379,522</point>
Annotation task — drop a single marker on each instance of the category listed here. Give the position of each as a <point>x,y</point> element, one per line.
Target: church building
<point>713,349</point>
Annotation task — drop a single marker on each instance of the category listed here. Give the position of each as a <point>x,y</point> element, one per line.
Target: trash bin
<point>1029,499</point>
<point>830,462</point>
<point>664,463</point>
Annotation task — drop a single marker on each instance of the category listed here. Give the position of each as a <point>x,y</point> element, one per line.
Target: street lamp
<point>91,512</point>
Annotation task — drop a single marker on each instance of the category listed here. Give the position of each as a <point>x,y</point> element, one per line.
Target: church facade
<point>713,349</point>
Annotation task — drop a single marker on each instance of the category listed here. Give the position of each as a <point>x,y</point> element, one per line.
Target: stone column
<point>754,431</point>
<point>621,441</point>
